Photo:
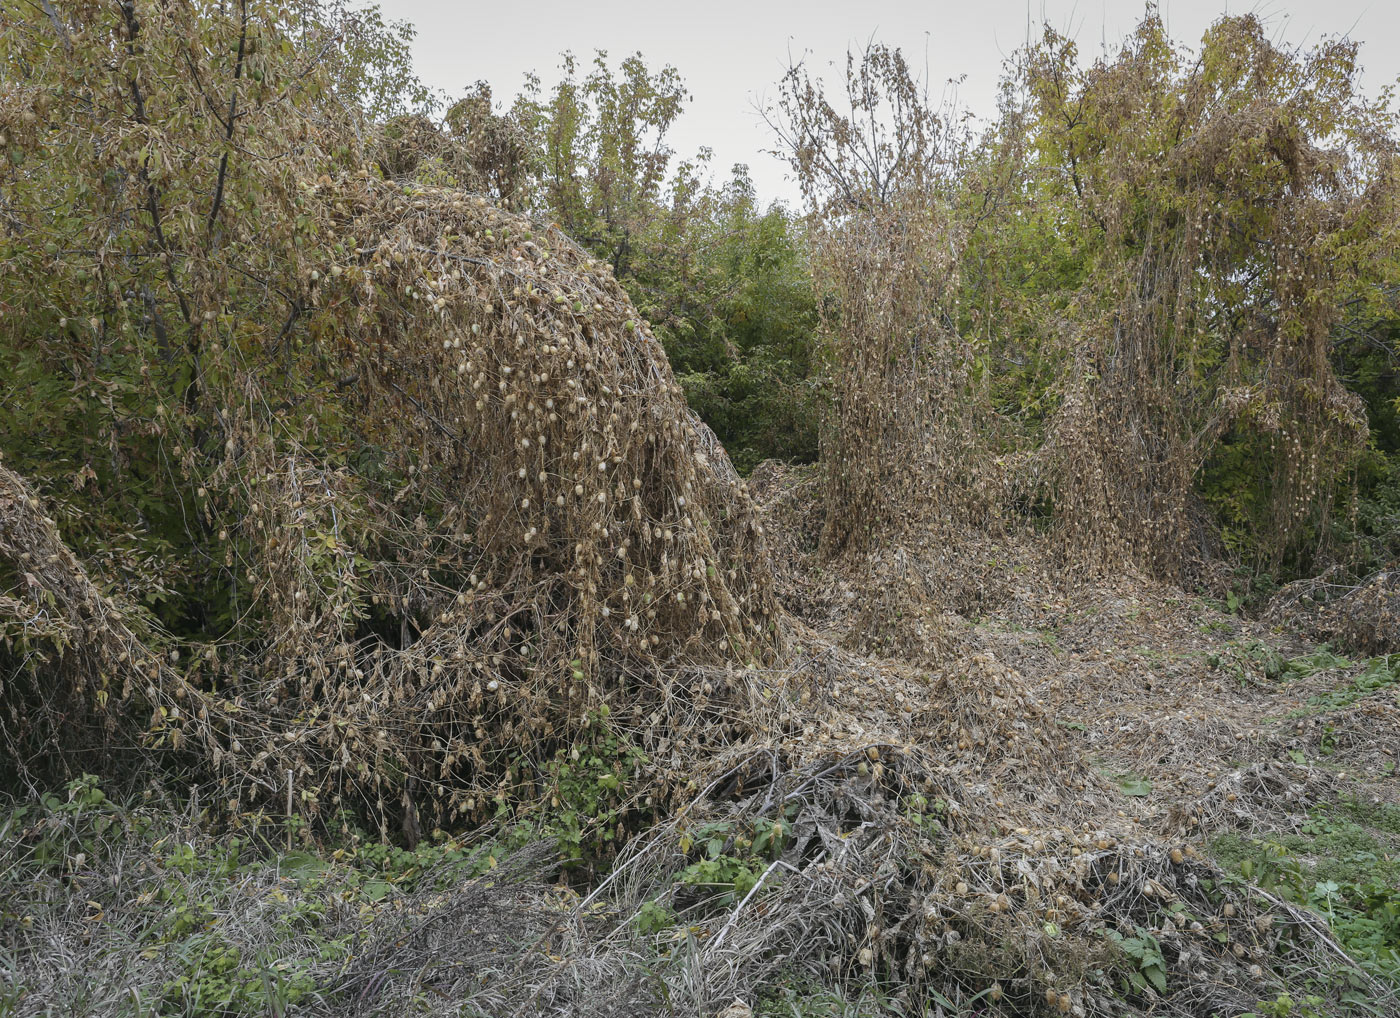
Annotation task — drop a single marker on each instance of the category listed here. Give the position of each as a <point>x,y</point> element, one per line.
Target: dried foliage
<point>558,528</point>
<point>1013,924</point>
<point>563,541</point>
<point>904,441</point>
<point>457,499</point>
<point>68,650</point>
<point>422,513</point>
<point>1361,618</point>
<point>473,148</point>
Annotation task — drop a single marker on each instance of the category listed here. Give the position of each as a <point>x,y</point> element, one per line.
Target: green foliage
<point>730,858</point>
<point>1135,787</point>
<point>591,808</point>
<point>1376,675</point>
<point>215,979</point>
<point>726,862</point>
<point>193,882</point>
<point>1365,355</point>
<point>601,151</point>
<point>125,319</point>
<point>1020,271</point>
<point>1344,863</point>
<point>1380,673</point>
<point>215,925</point>
<point>1284,1006</point>
<point>738,328</point>
<point>653,917</point>
<point>372,66</point>
<point>1250,662</point>
<point>1321,659</point>
<point>1200,355</point>
<point>1146,966</point>
<point>1269,660</point>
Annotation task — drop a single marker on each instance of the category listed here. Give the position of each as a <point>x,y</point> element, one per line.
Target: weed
<point>1284,1006</point>
<point>732,859</point>
<point>1146,966</point>
<point>1380,673</point>
<point>1244,661</point>
<point>1348,873</point>
<point>588,791</point>
<point>1322,659</point>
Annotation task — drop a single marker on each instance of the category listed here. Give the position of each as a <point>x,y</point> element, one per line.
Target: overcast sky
<point>732,53</point>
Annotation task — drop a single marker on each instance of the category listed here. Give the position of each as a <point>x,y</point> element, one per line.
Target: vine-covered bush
<point>368,493</point>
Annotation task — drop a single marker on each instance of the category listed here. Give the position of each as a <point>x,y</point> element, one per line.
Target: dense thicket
<point>1138,296</point>
<point>1150,307</point>
<point>378,492</point>
<point>355,479</point>
<point>304,361</point>
<point>1227,205</point>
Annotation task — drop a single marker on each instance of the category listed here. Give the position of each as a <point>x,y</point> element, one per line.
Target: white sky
<point>732,53</point>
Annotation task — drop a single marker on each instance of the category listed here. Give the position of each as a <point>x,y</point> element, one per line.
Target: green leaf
<point>1158,975</point>
<point>375,890</point>
<point>1136,787</point>
<point>301,866</point>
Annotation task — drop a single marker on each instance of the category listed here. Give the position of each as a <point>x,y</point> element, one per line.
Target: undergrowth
<point>1256,662</point>
<point>1343,863</point>
<point>1379,673</point>
<point>208,925</point>
<point>170,918</point>
<point>173,918</point>
<point>1375,675</point>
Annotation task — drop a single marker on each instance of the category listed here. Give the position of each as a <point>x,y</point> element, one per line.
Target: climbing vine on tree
<point>1228,205</point>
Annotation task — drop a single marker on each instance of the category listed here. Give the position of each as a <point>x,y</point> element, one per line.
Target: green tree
<point>602,159</point>
<point>162,234</point>
<point>1228,204</point>
<point>739,326</point>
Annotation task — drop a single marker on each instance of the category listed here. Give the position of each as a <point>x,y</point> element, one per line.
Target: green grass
<point>864,999</point>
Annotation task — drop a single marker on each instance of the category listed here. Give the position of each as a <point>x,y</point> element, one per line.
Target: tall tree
<point>603,160</point>
<point>1228,203</point>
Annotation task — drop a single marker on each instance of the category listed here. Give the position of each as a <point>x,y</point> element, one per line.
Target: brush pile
<point>1361,617</point>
